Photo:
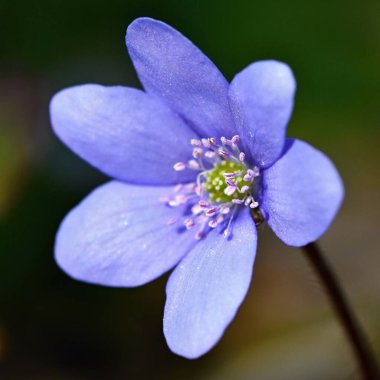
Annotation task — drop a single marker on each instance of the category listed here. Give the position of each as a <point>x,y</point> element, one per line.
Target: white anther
<point>255,171</point>
<point>244,189</point>
<point>237,201</point>
<point>241,156</point>
<point>195,142</point>
<point>225,210</point>
<point>196,209</point>
<point>223,140</point>
<point>197,152</point>
<point>206,143</point>
<point>254,204</point>
<point>235,139</point>
<point>210,154</point>
<point>194,165</point>
<point>211,211</point>
<point>229,190</point>
<point>179,166</point>
<point>226,232</point>
<point>222,153</point>
<point>249,176</point>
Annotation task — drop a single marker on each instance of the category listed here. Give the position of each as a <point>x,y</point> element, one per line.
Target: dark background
<point>52,327</point>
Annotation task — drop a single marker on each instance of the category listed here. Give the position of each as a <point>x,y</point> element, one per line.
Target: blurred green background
<point>52,327</point>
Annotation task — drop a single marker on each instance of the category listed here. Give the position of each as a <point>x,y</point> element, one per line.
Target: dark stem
<point>344,313</point>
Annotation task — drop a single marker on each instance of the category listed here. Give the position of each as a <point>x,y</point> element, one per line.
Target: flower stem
<point>344,313</point>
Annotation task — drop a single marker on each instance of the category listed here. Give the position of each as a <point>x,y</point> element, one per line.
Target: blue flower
<point>194,159</point>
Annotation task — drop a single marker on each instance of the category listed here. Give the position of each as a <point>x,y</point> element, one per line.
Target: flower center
<point>216,184</point>
<point>224,183</point>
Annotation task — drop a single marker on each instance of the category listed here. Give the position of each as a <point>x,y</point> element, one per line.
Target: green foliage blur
<point>52,327</point>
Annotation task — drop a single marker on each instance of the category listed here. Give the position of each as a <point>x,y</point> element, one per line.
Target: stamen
<point>211,211</point>
<point>229,190</point>
<point>228,229</point>
<point>223,185</point>
<point>195,142</point>
<point>179,166</point>
<point>223,154</point>
<point>253,204</point>
<point>225,210</point>
<point>203,204</point>
<point>256,171</point>
<point>210,154</point>
<point>194,165</point>
<point>206,143</point>
<point>196,209</point>
<point>197,152</point>
<point>235,139</point>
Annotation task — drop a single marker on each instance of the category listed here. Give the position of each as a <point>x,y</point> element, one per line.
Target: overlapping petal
<point>119,236</point>
<point>170,66</point>
<point>302,193</point>
<point>124,132</point>
<point>261,98</point>
<point>207,287</point>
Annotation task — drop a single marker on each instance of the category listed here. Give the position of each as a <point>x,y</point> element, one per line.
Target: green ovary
<point>216,183</point>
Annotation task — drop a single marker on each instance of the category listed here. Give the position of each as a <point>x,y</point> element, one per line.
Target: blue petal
<point>119,236</point>
<point>124,132</point>
<point>207,287</point>
<point>302,193</point>
<point>261,98</point>
<point>171,67</point>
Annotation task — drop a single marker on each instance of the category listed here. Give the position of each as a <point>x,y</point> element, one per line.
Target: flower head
<point>194,160</point>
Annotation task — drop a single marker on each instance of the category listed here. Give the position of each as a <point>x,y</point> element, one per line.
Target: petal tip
<point>141,24</point>
<point>281,72</point>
